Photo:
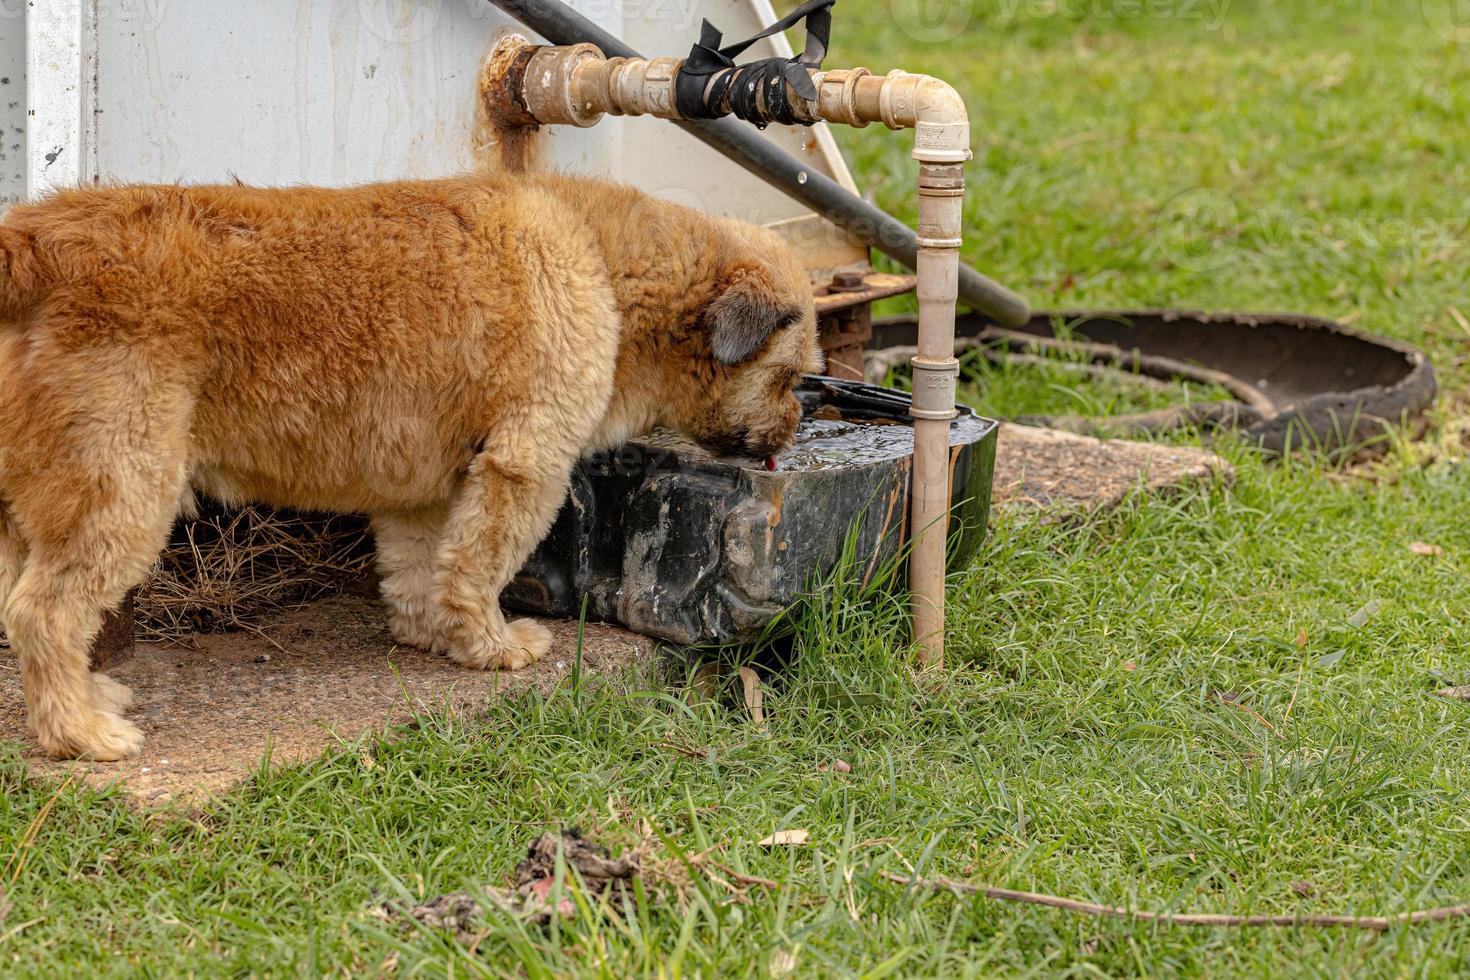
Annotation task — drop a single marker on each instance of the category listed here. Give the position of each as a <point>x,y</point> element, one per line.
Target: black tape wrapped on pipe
<point>710,84</point>
<point>866,222</point>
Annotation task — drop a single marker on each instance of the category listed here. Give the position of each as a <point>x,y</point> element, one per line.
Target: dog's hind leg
<point>501,514</point>
<point>12,557</point>
<point>407,543</point>
<point>12,543</point>
<point>97,498</point>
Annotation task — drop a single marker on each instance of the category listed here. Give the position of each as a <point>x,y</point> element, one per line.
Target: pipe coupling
<point>639,87</point>
<point>940,142</point>
<point>934,384</point>
<point>837,96</point>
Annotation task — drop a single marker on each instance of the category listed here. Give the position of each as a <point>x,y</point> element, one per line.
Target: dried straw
<point>227,569</point>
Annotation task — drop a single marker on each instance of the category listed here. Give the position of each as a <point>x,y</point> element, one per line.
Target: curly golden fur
<point>436,354</point>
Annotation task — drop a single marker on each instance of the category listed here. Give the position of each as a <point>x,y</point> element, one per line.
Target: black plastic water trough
<point>675,543</point>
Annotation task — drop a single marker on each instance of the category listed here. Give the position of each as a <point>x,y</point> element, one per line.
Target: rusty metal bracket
<point>871,286</point>
<point>845,315</point>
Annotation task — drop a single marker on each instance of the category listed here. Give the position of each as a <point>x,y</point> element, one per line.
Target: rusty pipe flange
<point>549,85</point>
<point>501,79</point>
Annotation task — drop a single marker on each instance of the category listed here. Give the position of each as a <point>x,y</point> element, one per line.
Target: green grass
<point>1302,156</point>
<point>1167,707</point>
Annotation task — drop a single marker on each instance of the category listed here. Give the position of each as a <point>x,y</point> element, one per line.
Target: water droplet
<point>801,177</point>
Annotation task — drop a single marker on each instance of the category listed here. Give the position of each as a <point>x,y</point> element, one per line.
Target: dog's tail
<point>21,273</point>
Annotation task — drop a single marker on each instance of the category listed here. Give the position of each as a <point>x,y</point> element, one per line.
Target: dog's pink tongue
<point>771,463</point>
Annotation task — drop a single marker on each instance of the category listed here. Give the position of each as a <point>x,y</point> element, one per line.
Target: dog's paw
<point>111,695</point>
<point>524,642</point>
<point>117,738</point>
<point>101,736</point>
<point>529,642</point>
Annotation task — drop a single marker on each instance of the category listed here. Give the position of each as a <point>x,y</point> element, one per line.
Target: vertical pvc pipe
<point>941,194</point>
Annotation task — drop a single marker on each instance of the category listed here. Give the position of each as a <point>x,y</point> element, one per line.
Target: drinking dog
<point>434,354</point>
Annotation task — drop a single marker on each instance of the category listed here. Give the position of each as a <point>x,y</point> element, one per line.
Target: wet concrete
<point>1060,474</point>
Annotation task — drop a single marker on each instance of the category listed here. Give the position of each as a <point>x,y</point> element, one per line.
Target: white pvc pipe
<point>941,194</point>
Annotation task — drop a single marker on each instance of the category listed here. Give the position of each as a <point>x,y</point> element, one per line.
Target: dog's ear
<point>746,313</point>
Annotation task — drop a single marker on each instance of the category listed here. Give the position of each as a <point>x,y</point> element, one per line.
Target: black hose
<point>864,221</point>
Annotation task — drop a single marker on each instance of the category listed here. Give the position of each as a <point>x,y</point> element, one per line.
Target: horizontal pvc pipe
<point>865,221</point>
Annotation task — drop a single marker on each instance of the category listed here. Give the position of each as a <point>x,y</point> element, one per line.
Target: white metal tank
<point>340,92</point>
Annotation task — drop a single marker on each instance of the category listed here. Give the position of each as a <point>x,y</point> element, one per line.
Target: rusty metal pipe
<point>577,85</point>
<point>864,221</point>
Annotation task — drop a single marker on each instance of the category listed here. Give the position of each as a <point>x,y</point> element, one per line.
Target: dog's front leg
<point>502,512</point>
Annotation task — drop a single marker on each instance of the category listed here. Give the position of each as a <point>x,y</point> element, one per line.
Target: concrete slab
<point>302,680</point>
<point>1046,469</point>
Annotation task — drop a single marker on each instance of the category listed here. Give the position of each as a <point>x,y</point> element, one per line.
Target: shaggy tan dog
<point>435,354</point>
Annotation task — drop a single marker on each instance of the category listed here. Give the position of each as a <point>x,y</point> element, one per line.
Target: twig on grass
<point>744,879</point>
<point>1225,699</point>
<point>688,751</point>
<point>1376,923</point>
<point>703,860</point>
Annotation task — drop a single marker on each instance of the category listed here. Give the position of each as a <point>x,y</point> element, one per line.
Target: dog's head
<point>754,338</point>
